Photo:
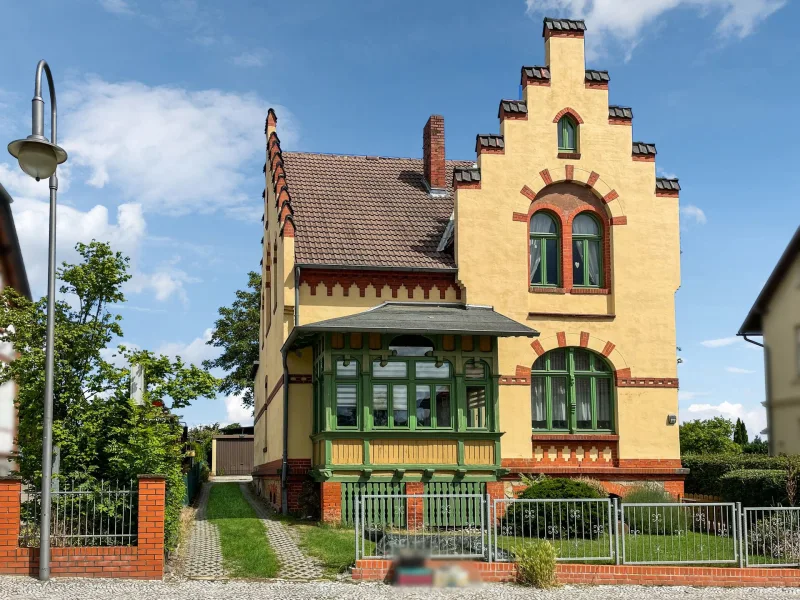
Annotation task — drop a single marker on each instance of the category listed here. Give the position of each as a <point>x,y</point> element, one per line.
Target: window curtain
<point>538,411</point>
<point>536,259</point>
<point>559,392</point>
<point>583,393</point>
<point>603,403</point>
<point>594,263</point>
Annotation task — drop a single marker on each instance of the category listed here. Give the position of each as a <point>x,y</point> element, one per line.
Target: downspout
<point>767,374</point>
<point>285,458</point>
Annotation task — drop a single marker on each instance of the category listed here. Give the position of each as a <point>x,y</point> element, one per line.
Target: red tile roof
<point>367,211</point>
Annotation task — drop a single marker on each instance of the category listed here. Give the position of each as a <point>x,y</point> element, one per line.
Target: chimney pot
<point>433,153</point>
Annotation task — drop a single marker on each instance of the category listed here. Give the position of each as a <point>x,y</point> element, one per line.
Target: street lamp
<point>39,158</point>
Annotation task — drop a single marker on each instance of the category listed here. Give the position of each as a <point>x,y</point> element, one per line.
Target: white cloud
<point>118,7</point>
<point>625,20</point>
<point>249,59</point>
<point>694,213</point>
<point>689,396</point>
<point>173,150</point>
<point>165,282</point>
<point>665,173</point>
<point>236,412</point>
<point>195,352</point>
<point>738,370</point>
<point>755,419</point>
<point>721,342</point>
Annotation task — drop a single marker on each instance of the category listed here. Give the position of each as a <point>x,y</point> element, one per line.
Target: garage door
<point>234,456</point>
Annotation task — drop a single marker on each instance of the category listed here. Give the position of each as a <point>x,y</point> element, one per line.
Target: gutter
<point>746,339</point>
<point>374,268</point>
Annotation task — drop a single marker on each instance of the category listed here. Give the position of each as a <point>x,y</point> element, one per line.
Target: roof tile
<point>644,149</point>
<point>489,140</point>
<point>513,107</point>
<point>466,174</point>
<point>620,112</point>
<point>367,211</point>
<point>564,24</point>
<point>597,76</point>
<point>538,73</point>
<point>667,185</point>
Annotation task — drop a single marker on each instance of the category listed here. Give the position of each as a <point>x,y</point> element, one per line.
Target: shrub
<point>754,487</point>
<point>776,537</point>
<point>536,564</point>
<point>595,484</point>
<point>654,520</point>
<point>557,520</point>
<point>705,471</point>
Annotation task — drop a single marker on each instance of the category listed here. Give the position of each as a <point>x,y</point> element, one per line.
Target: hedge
<point>706,470</point>
<point>755,487</point>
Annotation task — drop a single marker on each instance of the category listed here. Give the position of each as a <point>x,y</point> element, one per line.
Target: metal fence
<point>436,525</point>
<point>670,533</point>
<point>580,530</point>
<point>101,516</point>
<point>771,537</point>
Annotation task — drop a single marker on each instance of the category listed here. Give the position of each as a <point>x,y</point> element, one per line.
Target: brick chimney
<point>433,153</point>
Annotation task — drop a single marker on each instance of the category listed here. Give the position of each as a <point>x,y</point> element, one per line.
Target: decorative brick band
<point>619,220</point>
<point>593,178</point>
<point>610,196</point>
<point>547,290</point>
<point>300,378</point>
<point>521,377</point>
<point>590,291</point>
<point>276,388</point>
<point>569,155</point>
<point>608,349</point>
<point>537,347</point>
<point>648,382</point>
<point>644,158</point>
<point>545,175</point>
<point>569,172</point>
<point>666,194</point>
<point>471,185</point>
<point>582,316</point>
<point>378,279</point>
<point>568,111</point>
<point>519,217</point>
<point>618,121</point>
<point>584,339</point>
<point>561,336</point>
<point>592,85</point>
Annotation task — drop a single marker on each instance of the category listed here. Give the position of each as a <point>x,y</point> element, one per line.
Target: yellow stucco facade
<point>629,320</point>
<point>781,324</point>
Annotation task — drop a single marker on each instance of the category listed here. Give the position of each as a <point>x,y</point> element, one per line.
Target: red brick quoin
<point>143,561</point>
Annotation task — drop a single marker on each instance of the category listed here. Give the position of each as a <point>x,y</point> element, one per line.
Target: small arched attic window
<point>567,134</point>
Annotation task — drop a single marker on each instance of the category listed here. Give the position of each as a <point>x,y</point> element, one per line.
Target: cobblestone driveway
<point>87,589</point>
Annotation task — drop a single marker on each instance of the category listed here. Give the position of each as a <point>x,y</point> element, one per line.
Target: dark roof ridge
<point>369,156</point>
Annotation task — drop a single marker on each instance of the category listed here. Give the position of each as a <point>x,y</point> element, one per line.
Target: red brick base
<point>380,570</point>
<point>143,561</point>
<point>331,500</point>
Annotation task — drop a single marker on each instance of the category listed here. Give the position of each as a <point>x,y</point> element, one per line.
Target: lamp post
<point>39,158</point>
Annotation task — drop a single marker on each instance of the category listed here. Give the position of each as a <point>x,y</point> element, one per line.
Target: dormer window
<point>567,134</point>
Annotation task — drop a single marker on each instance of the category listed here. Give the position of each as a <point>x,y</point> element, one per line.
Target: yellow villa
<point>775,316</point>
<point>447,325</point>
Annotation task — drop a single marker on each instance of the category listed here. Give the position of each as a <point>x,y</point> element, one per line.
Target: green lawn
<point>245,549</point>
<point>699,548</point>
<point>335,547</point>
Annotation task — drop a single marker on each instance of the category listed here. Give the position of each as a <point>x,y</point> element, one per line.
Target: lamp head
<point>37,156</point>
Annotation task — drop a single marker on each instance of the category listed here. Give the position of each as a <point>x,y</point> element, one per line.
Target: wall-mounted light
<point>672,419</point>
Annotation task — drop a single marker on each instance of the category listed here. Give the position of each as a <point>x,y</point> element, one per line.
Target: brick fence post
<point>331,498</point>
<point>10,488</point>
<point>414,508</point>
<point>152,491</point>
<point>496,490</point>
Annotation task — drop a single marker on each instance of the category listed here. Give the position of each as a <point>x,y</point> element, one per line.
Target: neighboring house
<point>447,324</point>
<point>12,273</point>
<point>776,316</point>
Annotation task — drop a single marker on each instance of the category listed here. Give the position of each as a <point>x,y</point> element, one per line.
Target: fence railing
<point>436,525</point>
<point>101,516</point>
<point>771,537</point>
<point>670,533</point>
<point>580,530</point>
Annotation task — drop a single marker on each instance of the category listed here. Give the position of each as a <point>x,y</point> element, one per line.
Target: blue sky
<point>162,106</point>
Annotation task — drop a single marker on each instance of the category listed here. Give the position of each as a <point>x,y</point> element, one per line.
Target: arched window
<point>567,134</point>
<point>587,257</point>
<point>572,390</point>
<point>544,249</point>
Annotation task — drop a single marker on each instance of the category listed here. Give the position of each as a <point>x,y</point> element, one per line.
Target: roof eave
<point>376,268</point>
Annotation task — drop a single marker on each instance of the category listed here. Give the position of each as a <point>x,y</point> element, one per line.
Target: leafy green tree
<point>740,433</point>
<point>200,439</point>
<point>236,332</point>
<point>709,436</point>
<point>101,433</point>
<point>757,446</point>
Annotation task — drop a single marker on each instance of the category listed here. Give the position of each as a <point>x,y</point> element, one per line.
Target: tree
<point>757,446</point>
<point>236,332</point>
<point>101,433</point>
<point>710,436</point>
<point>740,433</point>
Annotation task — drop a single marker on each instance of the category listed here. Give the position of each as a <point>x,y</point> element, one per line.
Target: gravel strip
<point>86,589</point>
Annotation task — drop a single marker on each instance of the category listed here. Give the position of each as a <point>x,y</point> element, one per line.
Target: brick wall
<point>380,570</point>
<point>433,156</point>
<point>331,499</point>
<point>143,561</point>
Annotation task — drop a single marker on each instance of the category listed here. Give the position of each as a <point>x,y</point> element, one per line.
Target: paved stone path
<point>294,564</point>
<point>204,555</point>
<point>27,588</point>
